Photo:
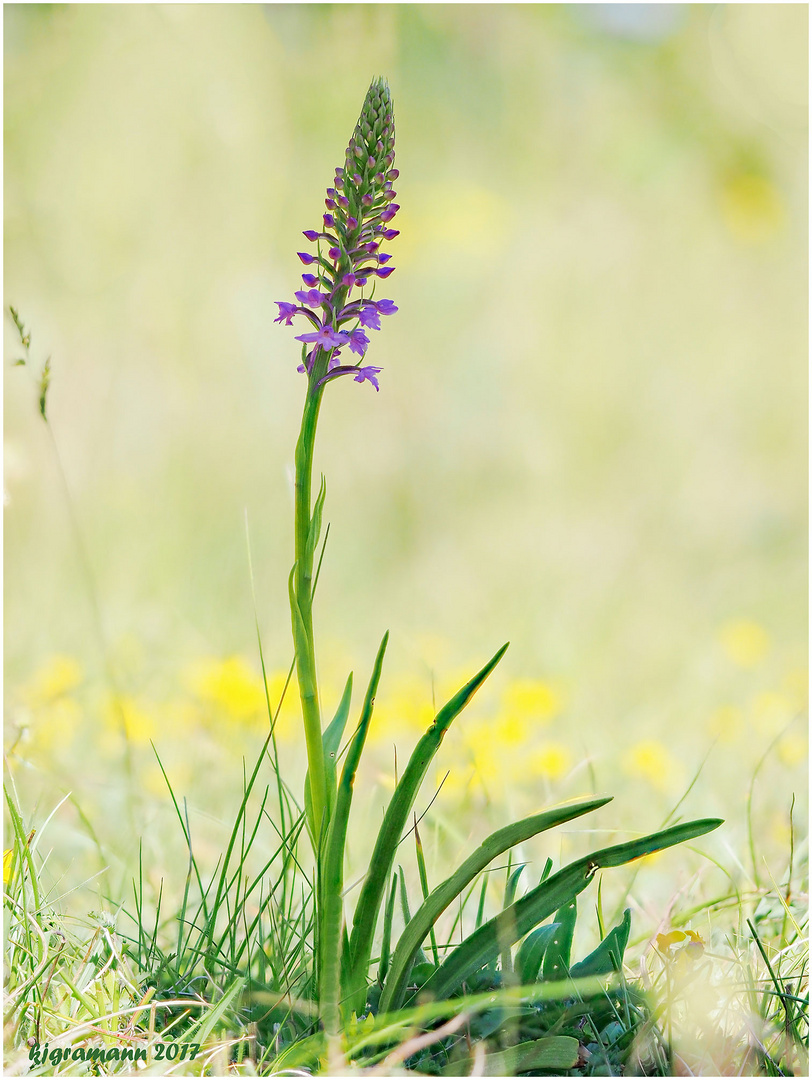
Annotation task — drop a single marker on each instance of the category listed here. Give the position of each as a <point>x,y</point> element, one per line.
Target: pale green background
<point>591,431</point>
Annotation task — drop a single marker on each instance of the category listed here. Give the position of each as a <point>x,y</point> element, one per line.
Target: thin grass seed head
<point>359,209</point>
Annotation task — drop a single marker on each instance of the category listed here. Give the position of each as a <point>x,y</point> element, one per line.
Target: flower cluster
<point>360,207</point>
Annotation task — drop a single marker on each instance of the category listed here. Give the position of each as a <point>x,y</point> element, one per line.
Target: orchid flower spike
<point>360,205</point>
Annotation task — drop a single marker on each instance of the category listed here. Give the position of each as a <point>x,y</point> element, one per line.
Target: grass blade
<point>424,886</point>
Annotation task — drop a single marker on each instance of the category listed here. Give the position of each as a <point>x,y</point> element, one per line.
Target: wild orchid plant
<point>339,303</point>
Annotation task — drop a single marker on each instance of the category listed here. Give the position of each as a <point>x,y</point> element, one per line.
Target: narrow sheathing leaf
<point>333,735</point>
<point>308,692</point>
<point>333,872</point>
<point>540,903</point>
<point>496,844</point>
<point>315,522</point>
<point>397,813</point>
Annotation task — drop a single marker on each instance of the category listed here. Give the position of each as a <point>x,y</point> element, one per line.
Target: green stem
<point>302,598</point>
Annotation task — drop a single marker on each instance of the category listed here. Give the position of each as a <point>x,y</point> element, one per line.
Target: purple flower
<point>368,316</point>
<point>313,297</point>
<point>286,312</point>
<point>327,338</point>
<point>368,374</point>
<point>359,342</point>
<point>359,205</point>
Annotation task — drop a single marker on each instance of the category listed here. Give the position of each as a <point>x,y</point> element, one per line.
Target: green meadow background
<point>590,437</point>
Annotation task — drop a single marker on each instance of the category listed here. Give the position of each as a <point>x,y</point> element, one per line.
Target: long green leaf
<point>608,956</point>
<point>397,813</point>
<point>512,925</point>
<point>556,1052</point>
<point>333,869</point>
<point>532,950</point>
<point>557,957</point>
<point>497,843</point>
<point>386,946</point>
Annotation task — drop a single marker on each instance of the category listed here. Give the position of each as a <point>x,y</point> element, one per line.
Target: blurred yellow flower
<point>487,760</point>
<point>726,723</point>
<point>405,713</point>
<point>181,777</point>
<point>745,642</point>
<point>57,677</point>
<point>532,698</point>
<point>793,749</point>
<point>553,760</point>
<point>55,727</point>
<point>8,862</point>
<point>771,712</point>
<point>140,725</point>
<point>684,947</point>
<point>456,783</point>
<point>510,729</point>
<point>752,208</point>
<point>652,761</point>
<point>288,724</point>
<point>229,685</point>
